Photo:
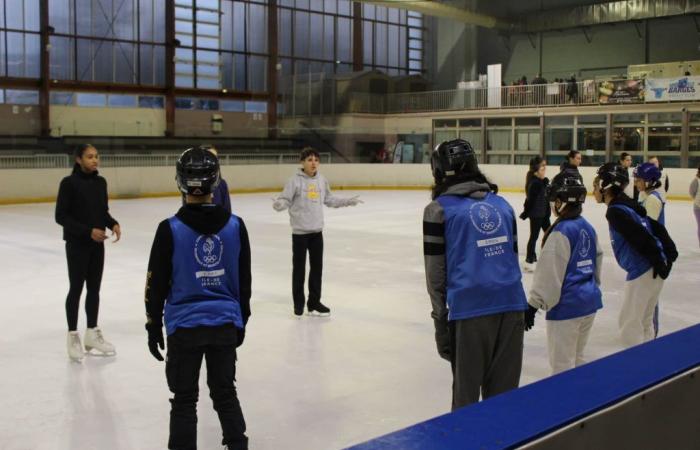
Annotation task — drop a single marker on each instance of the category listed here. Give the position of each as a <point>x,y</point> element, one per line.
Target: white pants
<point>566,340</point>
<point>637,314</point>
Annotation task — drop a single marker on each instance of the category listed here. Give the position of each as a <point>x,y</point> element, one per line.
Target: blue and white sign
<point>672,89</point>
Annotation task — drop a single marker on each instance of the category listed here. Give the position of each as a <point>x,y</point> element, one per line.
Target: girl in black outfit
<point>82,211</point>
<point>536,207</point>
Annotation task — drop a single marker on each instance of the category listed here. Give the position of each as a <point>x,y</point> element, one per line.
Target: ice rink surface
<point>310,384</point>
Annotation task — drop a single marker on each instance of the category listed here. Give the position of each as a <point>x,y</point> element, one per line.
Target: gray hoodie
<point>305,197</point>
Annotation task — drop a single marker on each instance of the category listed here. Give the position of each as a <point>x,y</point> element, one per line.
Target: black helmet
<point>453,158</point>
<point>612,174</point>
<point>197,171</point>
<point>568,188</point>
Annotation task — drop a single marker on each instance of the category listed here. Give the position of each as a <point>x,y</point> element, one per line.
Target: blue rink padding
<point>530,412</point>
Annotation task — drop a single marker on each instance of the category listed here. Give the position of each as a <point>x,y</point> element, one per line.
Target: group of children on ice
<point>201,293</point>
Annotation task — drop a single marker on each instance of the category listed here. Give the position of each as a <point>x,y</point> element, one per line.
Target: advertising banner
<point>672,89</point>
<point>621,91</point>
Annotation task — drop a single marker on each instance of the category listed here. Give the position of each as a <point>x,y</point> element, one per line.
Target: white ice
<point>313,384</point>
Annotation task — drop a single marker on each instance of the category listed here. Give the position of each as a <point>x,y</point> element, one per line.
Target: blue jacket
<point>482,271</point>
<point>627,256</point>
<point>205,289</point>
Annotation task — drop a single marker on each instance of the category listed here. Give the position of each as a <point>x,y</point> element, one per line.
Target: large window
<point>20,41</point>
<point>314,37</point>
<point>392,39</point>
<point>108,41</point>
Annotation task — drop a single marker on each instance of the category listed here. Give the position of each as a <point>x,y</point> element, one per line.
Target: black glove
<point>530,317</point>
<point>155,340</point>
<point>240,332</point>
<point>523,215</point>
<point>443,339</point>
<point>662,270</point>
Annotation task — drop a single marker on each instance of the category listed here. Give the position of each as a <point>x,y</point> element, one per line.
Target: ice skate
<point>298,312</point>
<point>74,347</point>
<point>319,309</point>
<point>528,267</point>
<point>95,340</point>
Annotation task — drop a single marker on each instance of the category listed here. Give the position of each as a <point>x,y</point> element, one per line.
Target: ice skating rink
<point>310,384</point>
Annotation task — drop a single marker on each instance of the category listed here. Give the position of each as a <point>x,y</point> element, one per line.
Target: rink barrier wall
<point>642,398</point>
<point>41,185</point>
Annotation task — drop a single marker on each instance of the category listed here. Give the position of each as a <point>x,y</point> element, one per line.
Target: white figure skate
<point>95,340</point>
<point>74,347</point>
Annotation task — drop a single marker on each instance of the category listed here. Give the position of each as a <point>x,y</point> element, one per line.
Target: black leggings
<point>85,264</point>
<point>536,224</point>
<point>313,244</point>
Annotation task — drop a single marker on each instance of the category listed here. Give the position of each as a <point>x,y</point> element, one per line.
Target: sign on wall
<point>621,91</point>
<point>672,89</point>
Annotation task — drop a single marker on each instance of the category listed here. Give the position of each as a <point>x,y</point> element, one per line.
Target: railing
<point>310,95</point>
<point>144,160</point>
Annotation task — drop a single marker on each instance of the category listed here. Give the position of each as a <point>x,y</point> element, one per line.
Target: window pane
<point>18,97</point>
<point>232,105</point>
<point>301,34</point>
<point>628,139</point>
<point>257,75</point>
<point>61,98</point>
<point>344,40</point>
<point>151,102</point>
<point>591,139</point>
<point>664,139</point>
<point>184,103</point>
<point>94,100</point>
<point>556,139</point>
<point>122,101</point>
<point>498,140</point>
<point>316,36</point>
<point>256,107</point>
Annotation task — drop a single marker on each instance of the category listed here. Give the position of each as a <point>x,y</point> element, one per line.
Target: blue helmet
<point>647,172</point>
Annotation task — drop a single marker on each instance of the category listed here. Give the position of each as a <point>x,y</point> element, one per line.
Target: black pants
<point>182,366</point>
<point>85,265</point>
<point>536,224</point>
<point>302,243</point>
<point>487,356</point>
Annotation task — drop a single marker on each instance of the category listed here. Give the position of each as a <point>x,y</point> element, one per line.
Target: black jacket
<point>638,238</point>
<point>536,204</point>
<point>205,219</point>
<point>82,205</point>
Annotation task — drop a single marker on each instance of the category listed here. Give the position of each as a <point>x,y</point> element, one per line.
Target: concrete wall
<point>82,121</point>
<point>610,50</point>
<point>19,120</point>
<point>236,124</point>
<point>144,181</point>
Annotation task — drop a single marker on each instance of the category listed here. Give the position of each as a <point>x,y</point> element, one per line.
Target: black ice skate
<point>319,309</point>
<point>298,311</point>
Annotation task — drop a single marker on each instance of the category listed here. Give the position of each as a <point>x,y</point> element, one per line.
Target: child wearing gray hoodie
<point>304,196</point>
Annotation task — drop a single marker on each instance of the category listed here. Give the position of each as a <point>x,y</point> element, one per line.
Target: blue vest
<point>205,285</point>
<point>628,258</point>
<point>580,295</point>
<point>483,274</point>
<point>662,214</point>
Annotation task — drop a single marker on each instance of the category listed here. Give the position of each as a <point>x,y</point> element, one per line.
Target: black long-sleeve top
<point>637,236</point>
<point>205,219</point>
<point>82,205</point>
<point>536,204</point>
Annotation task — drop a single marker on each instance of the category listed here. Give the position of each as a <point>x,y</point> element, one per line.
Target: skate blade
<point>99,353</point>
<point>76,360</point>
<point>318,314</point>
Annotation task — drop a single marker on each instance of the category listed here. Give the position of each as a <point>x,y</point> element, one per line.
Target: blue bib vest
<point>483,275</point>
<point>580,295</point>
<point>205,285</point>
<point>662,214</point>
<point>628,258</point>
